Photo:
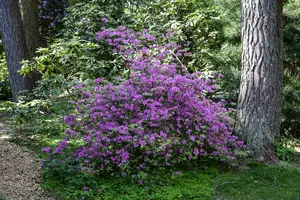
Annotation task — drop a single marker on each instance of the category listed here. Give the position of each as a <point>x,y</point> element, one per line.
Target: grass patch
<point>259,182</point>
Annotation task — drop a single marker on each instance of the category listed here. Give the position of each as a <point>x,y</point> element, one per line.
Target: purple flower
<point>104,20</point>
<point>163,135</point>
<point>142,143</point>
<point>192,138</point>
<point>98,80</point>
<point>196,152</point>
<point>145,50</point>
<point>177,173</point>
<point>69,120</point>
<point>47,149</point>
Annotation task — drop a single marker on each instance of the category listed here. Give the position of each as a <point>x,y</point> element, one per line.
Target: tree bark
<point>260,98</point>
<point>30,19</point>
<point>14,44</point>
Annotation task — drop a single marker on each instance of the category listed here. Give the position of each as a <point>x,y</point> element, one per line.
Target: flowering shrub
<point>159,116</point>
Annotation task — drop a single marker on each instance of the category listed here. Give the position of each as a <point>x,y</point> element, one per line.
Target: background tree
<point>260,99</point>
<point>15,45</point>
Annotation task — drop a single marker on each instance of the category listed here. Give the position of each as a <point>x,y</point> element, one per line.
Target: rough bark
<point>30,19</point>
<point>14,44</point>
<point>260,98</point>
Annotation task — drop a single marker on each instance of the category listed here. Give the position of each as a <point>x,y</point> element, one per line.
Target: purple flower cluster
<point>158,117</point>
<point>104,20</point>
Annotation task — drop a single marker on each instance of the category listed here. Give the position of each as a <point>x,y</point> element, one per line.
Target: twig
<point>178,59</point>
<point>224,183</point>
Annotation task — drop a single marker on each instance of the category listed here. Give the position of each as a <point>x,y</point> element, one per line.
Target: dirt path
<point>19,171</point>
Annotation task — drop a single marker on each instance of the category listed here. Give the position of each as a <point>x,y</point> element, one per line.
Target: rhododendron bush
<point>158,116</point>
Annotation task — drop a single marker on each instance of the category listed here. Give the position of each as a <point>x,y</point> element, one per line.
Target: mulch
<point>19,171</point>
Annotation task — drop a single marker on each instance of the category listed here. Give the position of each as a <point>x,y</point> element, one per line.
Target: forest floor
<point>19,171</point>
<point>20,179</point>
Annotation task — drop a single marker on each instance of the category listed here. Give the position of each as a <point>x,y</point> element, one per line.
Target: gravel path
<point>19,171</point>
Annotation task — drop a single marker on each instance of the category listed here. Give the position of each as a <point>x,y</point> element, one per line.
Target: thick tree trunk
<point>260,98</point>
<point>30,19</point>
<point>14,44</point>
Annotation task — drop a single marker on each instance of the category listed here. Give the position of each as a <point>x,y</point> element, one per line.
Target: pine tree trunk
<point>14,44</point>
<point>260,98</point>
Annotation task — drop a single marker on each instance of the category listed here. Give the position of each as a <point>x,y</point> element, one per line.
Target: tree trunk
<point>30,19</point>
<point>14,44</point>
<point>260,98</point>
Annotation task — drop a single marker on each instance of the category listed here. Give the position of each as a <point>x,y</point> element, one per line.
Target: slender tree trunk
<point>260,98</point>
<point>14,44</point>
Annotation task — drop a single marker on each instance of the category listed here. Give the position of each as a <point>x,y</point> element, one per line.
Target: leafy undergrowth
<point>187,185</point>
<point>258,182</point>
